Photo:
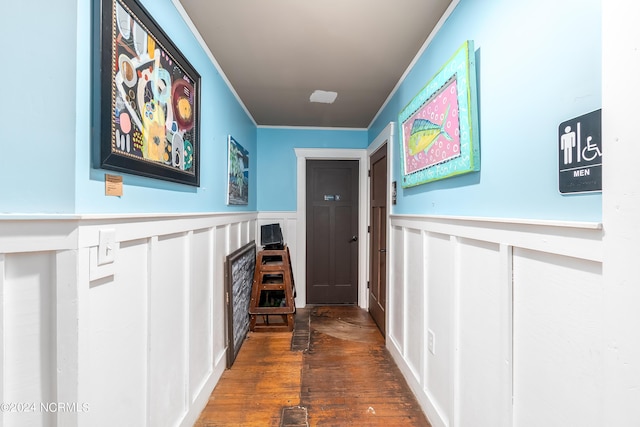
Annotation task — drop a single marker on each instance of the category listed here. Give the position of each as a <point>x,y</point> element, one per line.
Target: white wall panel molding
<point>137,227</point>
<point>30,346</point>
<point>221,251</point>
<point>575,239</point>
<point>200,311</point>
<point>506,339</point>
<point>558,350</point>
<point>462,269</point>
<point>37,235</point>
<point>456,338</point>
<point>70,333</point>
<point>416,312</point>
<point>141,338</point>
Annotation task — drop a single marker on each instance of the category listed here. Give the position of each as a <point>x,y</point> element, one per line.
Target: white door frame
<point>386,136</point>
<point>302,155</point>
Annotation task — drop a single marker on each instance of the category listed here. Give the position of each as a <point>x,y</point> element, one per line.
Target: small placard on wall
<point>112,185</point>
<point>580,154</point>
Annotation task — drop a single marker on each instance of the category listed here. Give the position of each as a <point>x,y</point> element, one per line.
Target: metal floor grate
<point>295,416</point>
<point>301,330</point>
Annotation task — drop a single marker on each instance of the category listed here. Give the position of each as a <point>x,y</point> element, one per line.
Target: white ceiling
<point>276,53</point>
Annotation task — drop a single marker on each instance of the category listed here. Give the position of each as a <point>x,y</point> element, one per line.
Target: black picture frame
<point>146,119</point>
<point>238,277</point>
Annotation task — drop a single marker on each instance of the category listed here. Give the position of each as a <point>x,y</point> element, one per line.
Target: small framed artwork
<point>439,127</point>
<point>238,176</point>
<point>147,116</point>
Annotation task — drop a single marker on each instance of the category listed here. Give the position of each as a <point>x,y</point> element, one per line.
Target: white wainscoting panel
<point>200,311</point>
<point>235,235</point>
<point>558,355</point>
<point>222,249</point>
<point>514,308</point>
<point>117,321</point>
<point>29,337</point>
<point>140,341</point>
<point>498,308</point>
<point>439,287</point>
<point>168,314</point>
<point>414,301</point>
<point>481,354</point>
<point>396,300</point>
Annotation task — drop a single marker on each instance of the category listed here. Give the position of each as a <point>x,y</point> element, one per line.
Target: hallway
<point>333,370</point>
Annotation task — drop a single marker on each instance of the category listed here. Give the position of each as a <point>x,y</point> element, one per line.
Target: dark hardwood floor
<point>333,370</point>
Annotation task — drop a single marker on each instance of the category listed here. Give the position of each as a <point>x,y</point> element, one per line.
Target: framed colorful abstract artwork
<point>439,127</point>
<point>147,117</point>
<point>238,177</point>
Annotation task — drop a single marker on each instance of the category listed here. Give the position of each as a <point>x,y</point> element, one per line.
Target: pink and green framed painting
<point>439,127</point>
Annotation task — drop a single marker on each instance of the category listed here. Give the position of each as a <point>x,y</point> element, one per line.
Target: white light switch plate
<point>107,246</point>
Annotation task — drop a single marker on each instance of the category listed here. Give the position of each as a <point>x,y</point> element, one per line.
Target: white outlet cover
<point>431,341</point>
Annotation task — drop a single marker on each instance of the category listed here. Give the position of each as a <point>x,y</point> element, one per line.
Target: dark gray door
<point>332,231</point>
<point>378,238</point>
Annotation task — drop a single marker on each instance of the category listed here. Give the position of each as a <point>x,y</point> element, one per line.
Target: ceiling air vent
<point>323,96</point>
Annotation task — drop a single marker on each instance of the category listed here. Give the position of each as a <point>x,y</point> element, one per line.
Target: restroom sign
<point>580,154</point>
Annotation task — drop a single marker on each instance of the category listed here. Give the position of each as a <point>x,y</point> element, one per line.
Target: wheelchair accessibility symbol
<point>591,151</point>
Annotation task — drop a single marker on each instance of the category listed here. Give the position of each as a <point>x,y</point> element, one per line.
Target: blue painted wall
<point>277,167</point>
<point>220,115</point>
<point>538,64</point>
<point>38,106</point>
<point>51,169</point>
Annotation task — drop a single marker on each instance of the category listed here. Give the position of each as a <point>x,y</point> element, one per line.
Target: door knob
<point>382,250</point>
<point>354,238</point>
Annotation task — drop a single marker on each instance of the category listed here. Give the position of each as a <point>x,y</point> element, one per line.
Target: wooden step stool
<point>273,292</point>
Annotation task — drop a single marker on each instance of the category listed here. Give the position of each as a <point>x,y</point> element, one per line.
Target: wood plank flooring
<point>343,376</point>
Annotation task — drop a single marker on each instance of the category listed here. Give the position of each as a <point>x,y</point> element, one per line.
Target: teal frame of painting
<point>439,127</point>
